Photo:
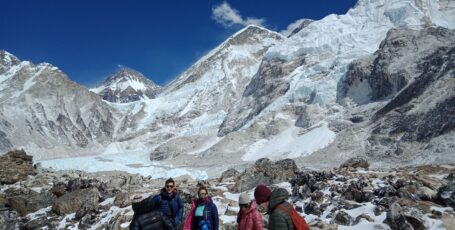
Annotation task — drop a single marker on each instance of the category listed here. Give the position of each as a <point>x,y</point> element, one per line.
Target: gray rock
<point>415,217</point>
<point>15,166</point>
<point>59,189</point>
<point>362,216</point>
<point>313,208</point>
<point>356,162</point>
<point>122,200</point>
<point>387,191</point>
<point>73,201</point>
<point>6,222</point>
<point>447,194</point>
<point>229,174</point>
<point>28,201</point>
<point>396,220</point>
<point>266,172</point>
<point>342,218</point>
<point>426,193</point>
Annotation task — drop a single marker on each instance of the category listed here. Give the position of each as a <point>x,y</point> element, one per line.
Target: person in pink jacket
<point>248,217</point>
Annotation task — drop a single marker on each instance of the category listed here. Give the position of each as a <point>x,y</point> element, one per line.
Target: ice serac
<point>127,85</point>
<point>47,114</point>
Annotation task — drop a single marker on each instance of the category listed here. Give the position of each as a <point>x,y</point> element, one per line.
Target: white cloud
<point>227,16</point>
<point>299,24</point>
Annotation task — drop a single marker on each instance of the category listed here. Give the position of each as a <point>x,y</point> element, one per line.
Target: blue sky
<point>90,39</point>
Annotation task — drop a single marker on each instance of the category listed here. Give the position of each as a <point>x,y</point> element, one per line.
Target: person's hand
<point>137,198</point>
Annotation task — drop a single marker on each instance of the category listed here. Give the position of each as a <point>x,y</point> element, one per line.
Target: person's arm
<point>215,218</point>
<point>168,225</point>
<point>257,221</point>
<point>146,205</point>
<point>178,217</point>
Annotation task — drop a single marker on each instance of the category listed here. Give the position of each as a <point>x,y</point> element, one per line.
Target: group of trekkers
<point>165,211</point>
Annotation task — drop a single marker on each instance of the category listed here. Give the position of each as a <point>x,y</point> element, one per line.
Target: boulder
<point>122,200</point>
<point>447,194</point>
<point>6,223</point>
<point>312,208</point>
<point>73,201</point>
<point>426,193</point>
<point>229,174</point>
<point>356,162</point>
<point>396,220</point>
<point>59,189</point>
<point>362,216</point>
<point>28,201</point>
<point>266,172</point>
<point>15,166</point>
<point>343,218</point>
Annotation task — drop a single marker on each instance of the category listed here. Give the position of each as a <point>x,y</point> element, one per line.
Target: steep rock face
<point>422,111</point>
<point>125,86</point>
<point>266,86</point>
<point>42,109</point>
<point>381,76</point>
<point>318,56</point>
<point>415,69</point>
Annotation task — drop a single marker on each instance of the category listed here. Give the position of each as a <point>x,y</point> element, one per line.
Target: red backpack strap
<point>298,221</point>
<point>284,209</point>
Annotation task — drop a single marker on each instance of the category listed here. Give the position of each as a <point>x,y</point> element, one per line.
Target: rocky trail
<point>351,196</point>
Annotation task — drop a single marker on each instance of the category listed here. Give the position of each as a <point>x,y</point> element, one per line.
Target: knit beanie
<point>262,194</point>
<point>244,198</point>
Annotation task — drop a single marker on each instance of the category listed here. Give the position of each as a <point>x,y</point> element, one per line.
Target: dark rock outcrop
<point>414,70</point>
<point>267,85</point>
<point>15,166</point>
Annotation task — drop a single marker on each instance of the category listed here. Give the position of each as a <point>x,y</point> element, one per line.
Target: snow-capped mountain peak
<point>127,85</point>
<point>7,59</point>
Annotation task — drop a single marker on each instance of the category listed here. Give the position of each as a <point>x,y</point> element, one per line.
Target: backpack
<point>298,221</point>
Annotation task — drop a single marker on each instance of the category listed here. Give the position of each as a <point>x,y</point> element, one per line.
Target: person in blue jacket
<point>168,201</point>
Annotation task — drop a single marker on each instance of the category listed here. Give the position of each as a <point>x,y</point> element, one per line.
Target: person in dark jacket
<point>152,219</point>
<point>278,219</point>
<point>168,201</point>
<point>203,214</point>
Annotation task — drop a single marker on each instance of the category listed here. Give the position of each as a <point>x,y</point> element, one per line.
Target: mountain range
<point>376,82</point>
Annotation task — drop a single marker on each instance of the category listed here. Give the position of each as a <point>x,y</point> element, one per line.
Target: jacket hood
<point>278,196</point>
<point>252,208</point>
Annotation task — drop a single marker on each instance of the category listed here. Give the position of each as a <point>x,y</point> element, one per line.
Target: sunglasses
<point>202,194</point>
<point>243,205</point>
<point>169,186</point>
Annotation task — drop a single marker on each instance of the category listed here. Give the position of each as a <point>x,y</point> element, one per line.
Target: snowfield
<point>132,162</point>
